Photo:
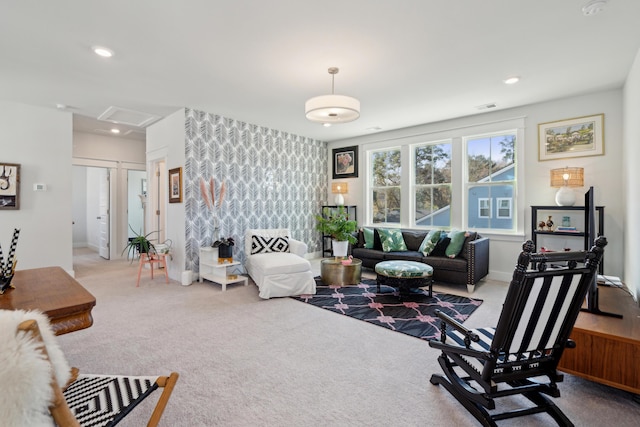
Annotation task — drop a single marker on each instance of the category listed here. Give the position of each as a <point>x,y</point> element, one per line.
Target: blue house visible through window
<point>493,203</point>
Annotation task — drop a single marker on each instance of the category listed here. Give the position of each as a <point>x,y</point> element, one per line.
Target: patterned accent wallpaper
<point>273,179</point>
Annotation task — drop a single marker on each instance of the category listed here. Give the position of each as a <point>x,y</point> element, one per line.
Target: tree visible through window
<point>433,184</point>
<point>461,178</point>
<point>385,185</point>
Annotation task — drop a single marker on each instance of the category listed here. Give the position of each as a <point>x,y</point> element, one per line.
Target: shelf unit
<point>537,216</point>
<point>211,270</point>
<point>352,213</point>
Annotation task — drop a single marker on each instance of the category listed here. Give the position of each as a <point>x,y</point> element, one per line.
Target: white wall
<point>165,141</point>
<point>630,163</point>
<point>103,147</point>
<point>39,139</point>
<point>79,207</point>
<point>601,172</point>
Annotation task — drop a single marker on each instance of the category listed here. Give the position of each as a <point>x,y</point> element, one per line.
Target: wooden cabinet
<point>577,219</point>
<point>607,348</point>
<point>352,213</point>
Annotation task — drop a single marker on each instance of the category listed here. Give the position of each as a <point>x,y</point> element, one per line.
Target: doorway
<point>91,209</point>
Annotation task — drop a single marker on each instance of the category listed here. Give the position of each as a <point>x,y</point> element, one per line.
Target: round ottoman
<point>404,275</point>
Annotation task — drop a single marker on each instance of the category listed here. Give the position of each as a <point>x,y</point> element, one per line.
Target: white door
<point>103,198</point>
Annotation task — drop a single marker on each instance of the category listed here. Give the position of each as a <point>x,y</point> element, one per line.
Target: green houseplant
<point>139,243</point>
<point>336,223</point>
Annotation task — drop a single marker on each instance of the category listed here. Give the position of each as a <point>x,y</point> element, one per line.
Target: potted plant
<point>335,223</point>
<point>139,243</point>
<point>225,247</point>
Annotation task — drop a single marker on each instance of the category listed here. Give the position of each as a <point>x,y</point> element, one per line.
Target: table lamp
<point>565,179</point>
<point>339,188</point>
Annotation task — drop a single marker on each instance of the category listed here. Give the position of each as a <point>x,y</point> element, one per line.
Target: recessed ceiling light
<point>114,130</point>
<point>511,80</point>
<point>105,52</point>
<point>327,125</point>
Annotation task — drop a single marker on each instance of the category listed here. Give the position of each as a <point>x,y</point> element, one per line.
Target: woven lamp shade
<point>575,177</point>
<point>339,188</point>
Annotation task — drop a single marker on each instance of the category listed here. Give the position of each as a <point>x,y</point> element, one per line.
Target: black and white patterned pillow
<point>263,245</point>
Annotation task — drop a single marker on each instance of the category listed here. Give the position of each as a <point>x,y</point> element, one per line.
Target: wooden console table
<point>607,349</point>
<point>54,292</point>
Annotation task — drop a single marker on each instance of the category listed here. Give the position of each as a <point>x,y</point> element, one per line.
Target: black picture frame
<point>345,162</point>
<point>175,185</point>
<point>9,186</point>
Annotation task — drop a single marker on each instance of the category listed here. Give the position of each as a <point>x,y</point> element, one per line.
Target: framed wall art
<point>569,138</point>
<point>175,185</point>
<point>345,162</point>
<point>9,186</point>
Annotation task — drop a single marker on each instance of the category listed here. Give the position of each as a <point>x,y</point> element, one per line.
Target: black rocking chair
<point>541,307</point>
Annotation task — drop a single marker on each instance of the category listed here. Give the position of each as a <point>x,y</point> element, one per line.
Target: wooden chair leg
<point>140,269</point>
<point>166,271</point>
<point>167,384</point>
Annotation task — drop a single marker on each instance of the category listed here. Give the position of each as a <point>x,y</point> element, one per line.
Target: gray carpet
<point>245,361</point>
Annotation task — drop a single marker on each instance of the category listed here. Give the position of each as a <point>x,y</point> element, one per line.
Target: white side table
<point>214,272</point>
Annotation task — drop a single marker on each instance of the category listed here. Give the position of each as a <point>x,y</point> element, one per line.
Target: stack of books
<point>569,229</point>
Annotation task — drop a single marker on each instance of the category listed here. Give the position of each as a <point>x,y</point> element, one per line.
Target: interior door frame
<point>118,226</point>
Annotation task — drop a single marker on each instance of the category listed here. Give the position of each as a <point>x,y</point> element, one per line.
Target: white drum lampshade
<point>331,109</point>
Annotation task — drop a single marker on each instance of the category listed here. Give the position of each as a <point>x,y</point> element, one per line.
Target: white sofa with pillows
<point>276,263</point>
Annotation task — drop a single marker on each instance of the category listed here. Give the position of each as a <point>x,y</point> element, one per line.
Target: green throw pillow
<point>392,240</point>
<point>455,246</point>
<point>368,237</point>
<point>429,242</point>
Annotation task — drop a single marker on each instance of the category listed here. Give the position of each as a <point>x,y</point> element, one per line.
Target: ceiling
<point>407,61</point>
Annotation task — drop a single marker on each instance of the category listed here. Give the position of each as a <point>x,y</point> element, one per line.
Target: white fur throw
<point>25,375</point>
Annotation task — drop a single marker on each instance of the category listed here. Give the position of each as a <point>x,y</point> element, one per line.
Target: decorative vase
<point>5,283</point>
<point>215,236</point>
<point>340,248</point>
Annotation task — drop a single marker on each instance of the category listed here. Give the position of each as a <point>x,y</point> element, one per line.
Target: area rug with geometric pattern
<point>413,315</point>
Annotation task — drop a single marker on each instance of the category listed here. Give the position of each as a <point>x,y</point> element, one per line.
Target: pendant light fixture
<point>329,109</point>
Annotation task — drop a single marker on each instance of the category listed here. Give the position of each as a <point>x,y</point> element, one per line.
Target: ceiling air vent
<point>128,117</point>
<point>486,106</point>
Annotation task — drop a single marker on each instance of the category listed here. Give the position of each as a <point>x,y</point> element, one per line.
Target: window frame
<point>499,207</point>
<point>481,208</point>
<point>456,133</point>
<point>415,186</point>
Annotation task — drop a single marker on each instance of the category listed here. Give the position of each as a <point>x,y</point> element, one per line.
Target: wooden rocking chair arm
<point>458,326</point>
<point>456,349</point>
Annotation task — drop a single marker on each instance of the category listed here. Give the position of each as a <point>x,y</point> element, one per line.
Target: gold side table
<point>333,272</point>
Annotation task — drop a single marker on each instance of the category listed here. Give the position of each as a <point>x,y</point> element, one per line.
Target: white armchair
<point>277,273</point>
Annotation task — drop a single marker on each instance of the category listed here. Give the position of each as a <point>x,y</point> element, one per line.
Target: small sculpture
<point>347,261</point>
<point>541,225</point>
<point>549,223</point>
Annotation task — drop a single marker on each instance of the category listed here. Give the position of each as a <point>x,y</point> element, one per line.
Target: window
<point>484,208</point>
<point>447,177</point>
<point>385,176</point>
<point>490,171</point>
<point>432,184</point>
<point>504,208</point>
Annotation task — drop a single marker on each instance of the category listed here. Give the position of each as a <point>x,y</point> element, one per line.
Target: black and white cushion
<point>263,245</point>
<point>101,400</point>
